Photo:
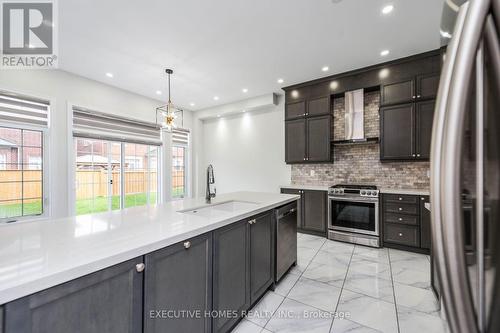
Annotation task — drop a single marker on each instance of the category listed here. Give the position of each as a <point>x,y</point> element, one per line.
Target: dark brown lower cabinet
<point>243,268</point>
<point>261,255</point>
<point>406,222</point>
<point>425,223</point>
<point>109,300</point>
<point>177,279</point>
<point>312,209</point>
<point>231,275</point>
<point>315,211</point>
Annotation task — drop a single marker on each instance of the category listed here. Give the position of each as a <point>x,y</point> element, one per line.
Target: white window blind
<point>24,110</point>
<point>97,125</point>
<point>180,137</point>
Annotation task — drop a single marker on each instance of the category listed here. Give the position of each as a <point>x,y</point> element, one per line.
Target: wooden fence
<point>89,183</point>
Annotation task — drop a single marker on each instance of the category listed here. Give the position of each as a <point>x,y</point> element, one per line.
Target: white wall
<point>62,89</point>
<point>247,150</point>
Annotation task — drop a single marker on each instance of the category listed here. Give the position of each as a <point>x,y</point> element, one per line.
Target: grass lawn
<point>100,204</point>
<point>85,206</point>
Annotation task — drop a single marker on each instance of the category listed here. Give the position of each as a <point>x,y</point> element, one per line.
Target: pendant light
<point>169,112</point>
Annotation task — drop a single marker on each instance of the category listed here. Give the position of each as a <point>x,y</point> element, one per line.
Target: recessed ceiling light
<point>216,98</point>
<point>109,74</point>
<point>280,81</point>
<point>192,104</point>
<point>384,53</point>
<point>158,92</point>
<point>244,111</point>
<point>387,9</point>
<point>325,69</point>
<point>245,90</point>
<point>218,116</point>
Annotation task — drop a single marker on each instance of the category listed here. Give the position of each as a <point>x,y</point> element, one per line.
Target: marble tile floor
<point>338,287</point>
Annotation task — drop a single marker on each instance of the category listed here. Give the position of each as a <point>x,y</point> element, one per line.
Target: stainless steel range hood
<point>354,116</point>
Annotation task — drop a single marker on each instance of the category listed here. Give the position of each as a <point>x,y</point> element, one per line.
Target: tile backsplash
<point>361,163</point>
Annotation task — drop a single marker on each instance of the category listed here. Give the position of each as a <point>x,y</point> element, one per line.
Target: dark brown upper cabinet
<point>318,139</point>
<point>397,132</point>
<point>397,92</point>
<point>427,86</point>
<point>295,110</point>
<point>318,106</point>
<point>417,88</point>
<point>406,131</point>
<point>307,130</point>
<point>424,115</point>
<point>295,141</point>
<point>308,140</point>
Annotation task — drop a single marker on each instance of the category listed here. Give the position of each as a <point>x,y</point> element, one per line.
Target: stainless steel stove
<point>353,214</point>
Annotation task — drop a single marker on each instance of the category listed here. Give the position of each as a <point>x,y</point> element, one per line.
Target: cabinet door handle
<point>418,96</point>
<point>418,155</point>
<point>400,208</point>
<point>400,234</point>
<point>140,267</point>
<point>401,219</point>
<point>252,221</point>
<point>413,97</point>
<point>422,198</point>
<point>400,199</point>
<point>187,245</point>
<point>413,155</point>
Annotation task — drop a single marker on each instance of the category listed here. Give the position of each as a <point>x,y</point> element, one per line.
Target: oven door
<point>359,215</point>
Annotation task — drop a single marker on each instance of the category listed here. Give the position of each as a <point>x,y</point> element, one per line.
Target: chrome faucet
<point>211,190</point>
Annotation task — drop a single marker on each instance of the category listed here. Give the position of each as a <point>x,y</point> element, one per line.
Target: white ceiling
<point>219,47</point>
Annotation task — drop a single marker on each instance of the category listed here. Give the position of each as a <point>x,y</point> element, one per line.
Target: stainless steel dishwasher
<point>286,239</point>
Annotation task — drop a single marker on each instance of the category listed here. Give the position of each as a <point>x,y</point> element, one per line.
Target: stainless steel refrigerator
<point>465,167</point>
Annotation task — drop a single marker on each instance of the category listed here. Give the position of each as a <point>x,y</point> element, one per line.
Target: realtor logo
<point>28,35</point>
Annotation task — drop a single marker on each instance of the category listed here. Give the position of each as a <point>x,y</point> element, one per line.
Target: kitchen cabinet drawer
<point>401,218</point>
<point>295,110</point>
<point>401,208</point>
<point>401,234</point>
<point>400,198</point>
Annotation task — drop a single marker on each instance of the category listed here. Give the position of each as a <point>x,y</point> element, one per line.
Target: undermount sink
<point>220,209</point>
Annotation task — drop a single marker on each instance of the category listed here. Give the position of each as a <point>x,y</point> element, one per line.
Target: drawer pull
<point>400,198</point>
<point>140,267</point>
<point>187,245</point>
<point>400,234</point>
<point>400,208</point>
<point>252,221</point>
<point>401,219</point>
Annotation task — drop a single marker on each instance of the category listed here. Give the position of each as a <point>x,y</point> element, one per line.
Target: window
<point>178,172</point>
<point>100,174</point>
<point>141,176</point>
<point>21,172</point>
<point>180,144</point>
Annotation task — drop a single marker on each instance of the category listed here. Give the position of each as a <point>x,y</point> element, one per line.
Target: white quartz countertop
<point>404,191</point>
<point>307,187</point>
<point>41,254</point>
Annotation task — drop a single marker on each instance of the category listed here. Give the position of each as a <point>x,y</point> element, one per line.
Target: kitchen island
<point>74,254</point>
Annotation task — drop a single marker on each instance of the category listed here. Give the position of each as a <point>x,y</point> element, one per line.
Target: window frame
<point>45,171</point>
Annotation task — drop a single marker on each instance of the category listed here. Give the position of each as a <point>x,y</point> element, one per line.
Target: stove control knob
<point>363,192</point>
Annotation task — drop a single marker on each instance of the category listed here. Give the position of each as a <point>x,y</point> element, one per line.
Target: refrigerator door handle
<point>463,318</point>
<point>435,166</point>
